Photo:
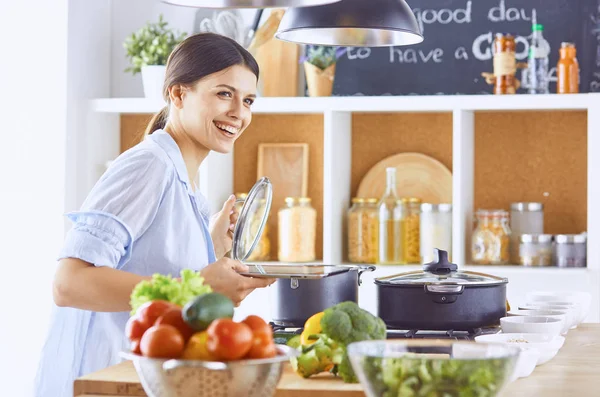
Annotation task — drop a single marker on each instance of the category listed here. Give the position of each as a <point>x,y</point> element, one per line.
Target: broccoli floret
<point>321,356</point>
<point>346,323</point>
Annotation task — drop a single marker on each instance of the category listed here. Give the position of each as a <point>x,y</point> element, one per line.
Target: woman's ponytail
<point>158,121</point>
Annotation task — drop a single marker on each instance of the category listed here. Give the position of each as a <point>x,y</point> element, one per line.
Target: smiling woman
<point>145,215</point>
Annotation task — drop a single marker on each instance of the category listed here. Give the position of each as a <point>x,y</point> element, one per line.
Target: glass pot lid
<point>252,219</point>
<point>440,271</point>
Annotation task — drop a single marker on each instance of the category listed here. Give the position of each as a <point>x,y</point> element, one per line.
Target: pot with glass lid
<point>301,289</point>
<point>441,298</point>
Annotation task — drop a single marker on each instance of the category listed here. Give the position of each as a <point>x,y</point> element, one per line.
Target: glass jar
<point>491,238</point>
<point>409,230</point>
<point>570,250</point>
<point>262,251</point>
<point>435,230</point>
<point>363,223</point>
<point>297,230</point>
<point>505,64</point>
<point>525,218</point>
<point>535,250</point>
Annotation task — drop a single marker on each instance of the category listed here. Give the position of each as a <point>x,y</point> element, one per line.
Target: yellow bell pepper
<point>311,327</point>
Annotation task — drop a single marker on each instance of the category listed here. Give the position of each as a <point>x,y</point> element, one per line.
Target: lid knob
<point>440,263</point>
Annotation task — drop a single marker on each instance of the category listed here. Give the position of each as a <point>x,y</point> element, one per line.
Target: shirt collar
<point>168,144</point>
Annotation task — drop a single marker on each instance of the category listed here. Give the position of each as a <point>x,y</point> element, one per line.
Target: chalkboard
<point>457,47</point>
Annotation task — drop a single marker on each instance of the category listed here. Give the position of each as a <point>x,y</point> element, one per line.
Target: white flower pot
<point>153,78</point>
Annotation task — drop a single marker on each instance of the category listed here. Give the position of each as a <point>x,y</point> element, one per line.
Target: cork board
<point>293,128</point>
<point>132,129</point>
<point>534,156</point>
<point>376,136</point>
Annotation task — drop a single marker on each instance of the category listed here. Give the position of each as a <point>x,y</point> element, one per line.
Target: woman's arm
<point>82,285</point>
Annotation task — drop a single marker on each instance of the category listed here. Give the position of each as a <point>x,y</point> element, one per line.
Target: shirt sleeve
<point>118,210</point>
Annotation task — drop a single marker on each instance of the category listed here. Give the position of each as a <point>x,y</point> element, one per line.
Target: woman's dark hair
<point>196,57</point>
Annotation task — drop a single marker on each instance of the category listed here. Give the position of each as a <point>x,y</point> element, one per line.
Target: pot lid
<point>252,219</point>
<point>299,270</point>
<point>441,271</point>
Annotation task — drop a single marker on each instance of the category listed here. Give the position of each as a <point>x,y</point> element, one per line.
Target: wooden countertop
<point>573,372</point>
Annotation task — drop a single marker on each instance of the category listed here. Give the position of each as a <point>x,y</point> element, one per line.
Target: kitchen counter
<point>574,371</point>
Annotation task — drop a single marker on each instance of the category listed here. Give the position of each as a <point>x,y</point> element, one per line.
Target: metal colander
<point>195,378</point>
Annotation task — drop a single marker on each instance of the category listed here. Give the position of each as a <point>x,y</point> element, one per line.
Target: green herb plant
<point>151,45</point>
<point>323,56</point>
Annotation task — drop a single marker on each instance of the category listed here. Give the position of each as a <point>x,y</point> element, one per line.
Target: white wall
<point>33,75</point>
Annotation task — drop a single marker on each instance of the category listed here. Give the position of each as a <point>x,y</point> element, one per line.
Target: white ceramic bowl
<point>531,325</point>
<point>570,311</point>
<point>581,297</point>
<point>546,345</point>
<point>560,314</point>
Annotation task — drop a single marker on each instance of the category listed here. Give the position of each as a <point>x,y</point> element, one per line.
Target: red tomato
<point>173,317</point>
<point>149,312</point>
<point>162,341</point>
<point>228,340</point>
<point>134,346</point>
<point>262,347</point>
<point>135,328</point>
<point>258,326</point>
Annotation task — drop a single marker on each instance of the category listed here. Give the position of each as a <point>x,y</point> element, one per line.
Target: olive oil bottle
<point>389,223</point>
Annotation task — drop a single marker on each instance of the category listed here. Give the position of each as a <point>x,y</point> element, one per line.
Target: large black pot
<point>441,298</point>
<point>298,298</point>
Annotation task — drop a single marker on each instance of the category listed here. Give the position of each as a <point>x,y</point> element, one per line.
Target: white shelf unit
<point>216,179</point>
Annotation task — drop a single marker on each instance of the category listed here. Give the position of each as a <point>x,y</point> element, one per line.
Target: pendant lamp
<point>248,3</point>
<point>354,23</point>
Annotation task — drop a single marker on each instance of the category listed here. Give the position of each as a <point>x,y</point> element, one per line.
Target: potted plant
<point>319,66</point>
<point>148,50</point>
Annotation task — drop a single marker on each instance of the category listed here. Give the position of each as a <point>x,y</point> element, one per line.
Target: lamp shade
<point>355,23</point>
<point>248,3</point>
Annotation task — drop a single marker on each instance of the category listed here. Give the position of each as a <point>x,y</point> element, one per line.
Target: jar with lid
<point>263,249</point>
<point>567,70</point>
<point>409,229</point>
<point>491,238</point>
<point>505,64</point>
<point>535,250</point>
<point>570,250</point>
<point>435,230</point>
<point>525,218</point>
<point>297,223</point>
<point>363,222</point>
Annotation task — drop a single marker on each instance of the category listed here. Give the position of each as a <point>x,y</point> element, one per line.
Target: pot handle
<point>444,293</point>
<point>364,268</point>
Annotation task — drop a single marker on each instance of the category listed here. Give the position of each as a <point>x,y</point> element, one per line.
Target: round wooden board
<point>417,175</point>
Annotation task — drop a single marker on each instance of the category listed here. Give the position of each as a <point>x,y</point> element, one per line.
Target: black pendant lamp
<point>248,3</point>
<point>354,23</point>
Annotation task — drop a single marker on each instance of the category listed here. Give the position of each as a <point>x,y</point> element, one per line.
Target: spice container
<point>409,230</point>
<point>363,223</point>
<point>297,230</point>
<point>570,250</point>
<point>262,251</point>
<point>505,64</point>
<point>525,218</point>
<point>435,230</point>
<point>567,70</point>
<point>535,250</point>
<point>491,238</point>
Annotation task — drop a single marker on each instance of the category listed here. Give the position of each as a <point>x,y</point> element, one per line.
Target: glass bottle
<point>362,230</point>
<point>505,64</point>
<point>567,70</point>
<point>537,62</point>
<point>409,229</point>
<point>389,222</point>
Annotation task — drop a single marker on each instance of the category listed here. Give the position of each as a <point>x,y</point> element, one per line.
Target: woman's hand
<point>223,278</point>
<point>221,227</point>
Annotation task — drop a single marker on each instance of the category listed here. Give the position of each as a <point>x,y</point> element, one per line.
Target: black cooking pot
<point>309,289</point>
<point>441,298</point>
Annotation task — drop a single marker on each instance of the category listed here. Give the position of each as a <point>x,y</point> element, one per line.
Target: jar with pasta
<point>297,222</point>
<point>363,223</point>
<point>262,250</point>
<point>491,238</point>
<point>409,230</point>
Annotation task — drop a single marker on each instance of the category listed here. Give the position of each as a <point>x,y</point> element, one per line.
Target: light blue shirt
<point>142,217</point>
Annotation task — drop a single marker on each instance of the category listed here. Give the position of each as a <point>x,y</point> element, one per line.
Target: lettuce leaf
<point>165,287</point>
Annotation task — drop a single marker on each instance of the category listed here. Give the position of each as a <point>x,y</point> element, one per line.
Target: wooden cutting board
<point>417,175</point>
